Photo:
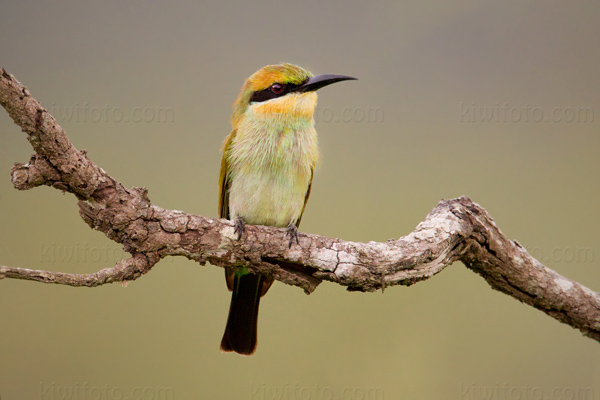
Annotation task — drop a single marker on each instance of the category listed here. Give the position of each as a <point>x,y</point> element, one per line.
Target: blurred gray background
<point>499,101</point>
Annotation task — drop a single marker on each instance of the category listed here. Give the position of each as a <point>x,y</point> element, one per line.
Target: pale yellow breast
<point>271,161</point>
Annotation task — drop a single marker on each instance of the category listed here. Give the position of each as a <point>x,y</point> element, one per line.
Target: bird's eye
<point>277,88</point>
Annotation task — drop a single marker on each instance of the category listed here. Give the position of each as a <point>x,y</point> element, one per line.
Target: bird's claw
<point>292,232</point>
<point>240,227</point>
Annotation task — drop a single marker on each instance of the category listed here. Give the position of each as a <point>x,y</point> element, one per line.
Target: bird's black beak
<point>319,81</point>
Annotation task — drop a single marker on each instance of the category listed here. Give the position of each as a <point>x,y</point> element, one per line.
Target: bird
<point>266,176</point>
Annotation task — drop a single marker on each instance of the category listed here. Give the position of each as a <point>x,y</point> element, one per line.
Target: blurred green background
<point>499,101</point>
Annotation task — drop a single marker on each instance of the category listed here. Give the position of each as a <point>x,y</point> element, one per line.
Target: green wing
<point>306,197</point>
<point>224,181</point>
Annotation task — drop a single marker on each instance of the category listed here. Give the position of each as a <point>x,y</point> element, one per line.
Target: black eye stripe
<point>268,94</point>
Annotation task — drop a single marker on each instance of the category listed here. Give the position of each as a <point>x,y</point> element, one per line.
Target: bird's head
<point>279,91</point>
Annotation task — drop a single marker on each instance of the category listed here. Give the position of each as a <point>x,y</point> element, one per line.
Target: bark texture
<point>456,230</point>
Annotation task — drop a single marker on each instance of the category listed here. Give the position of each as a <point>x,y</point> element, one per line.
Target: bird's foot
<point>240,227</point>
<point>292,232</point>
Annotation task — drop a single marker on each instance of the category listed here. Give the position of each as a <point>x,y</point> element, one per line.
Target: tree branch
<point>456,230</point>
<point>125,270</point>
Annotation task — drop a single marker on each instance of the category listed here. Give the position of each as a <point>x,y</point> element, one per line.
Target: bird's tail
<point>240,332</point>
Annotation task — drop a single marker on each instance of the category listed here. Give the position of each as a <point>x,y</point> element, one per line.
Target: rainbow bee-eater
<point>266,175</point>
